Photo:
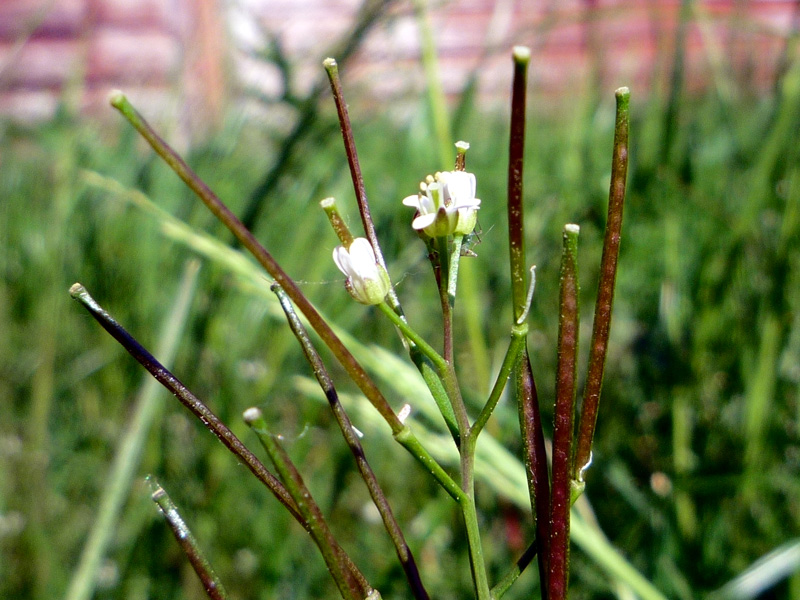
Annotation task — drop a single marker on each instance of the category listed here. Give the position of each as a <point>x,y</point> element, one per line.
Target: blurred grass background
<point>695,473</point>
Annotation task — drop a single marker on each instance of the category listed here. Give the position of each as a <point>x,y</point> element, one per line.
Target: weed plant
<point>446,212</point>
<point>694,470</point>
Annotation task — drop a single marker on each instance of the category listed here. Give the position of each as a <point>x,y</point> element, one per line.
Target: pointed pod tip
<point>116,98</point>
<point>521,53</point>
<point>156,491</point>
<point>623,96</point>
<point>252,414</point>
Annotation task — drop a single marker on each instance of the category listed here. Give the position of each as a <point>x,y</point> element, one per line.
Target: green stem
<point>518,334</point>
<point>447,300</point>
<point>415,338</point>
<point>477,563</point>
<point>184,536</point>
<point>409,441</point>
<point>349,586</point>
<point>502,586</point>
<point>436,387</point>
<point>464,497</point>
<point>452,278</point>
<point>445,371</point>
<point>448,274</point>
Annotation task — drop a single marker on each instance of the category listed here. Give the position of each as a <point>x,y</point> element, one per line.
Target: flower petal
<point>412,201</point>
<point>362,258</point>
<point>423,221</point>
<point>342,259</point>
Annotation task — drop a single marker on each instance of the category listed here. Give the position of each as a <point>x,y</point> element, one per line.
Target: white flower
<point>447,205</point>
<point>367,281</point>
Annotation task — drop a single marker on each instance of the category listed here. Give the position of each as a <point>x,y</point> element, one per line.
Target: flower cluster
<point>446,204</point>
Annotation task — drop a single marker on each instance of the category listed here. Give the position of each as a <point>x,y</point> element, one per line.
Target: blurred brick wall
<point>78,50</point>
<point>188,56</point>
<point>574,42</point>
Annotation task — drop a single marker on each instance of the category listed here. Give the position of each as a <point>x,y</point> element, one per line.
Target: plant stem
<point>445,371</point>
<point>189,400</point>
<point>477,563</point>
<point>337,222</point>
<point>355,171</point>
<point>443,280</point>
<point>446,279</point>
<point>452,274</point>
<point>518,334</point>
<point>448,293</point>
<point>449,256</point>
<point>605,290</point>
<point>248,240</point>
<point>415,338</point>
<point>528,402</point>
<point>127,458</point>
<point>409,441</point>
<point>349,586</point>
<point>436,387</point>
<point>184,536</point>
<point>535,458</point>
<point>378,497</point>
<point>464,497</point>
<point>502,586</point>
<point>516,152</point>
<point>563,418</point>
<point>194,404</point>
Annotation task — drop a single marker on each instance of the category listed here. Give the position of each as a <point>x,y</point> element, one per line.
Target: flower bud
<point>367,281</point>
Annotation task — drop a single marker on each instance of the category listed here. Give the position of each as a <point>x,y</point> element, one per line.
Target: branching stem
<point>249,241</point>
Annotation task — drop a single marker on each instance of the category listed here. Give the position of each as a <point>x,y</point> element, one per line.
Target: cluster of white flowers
<point>446,205</point>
